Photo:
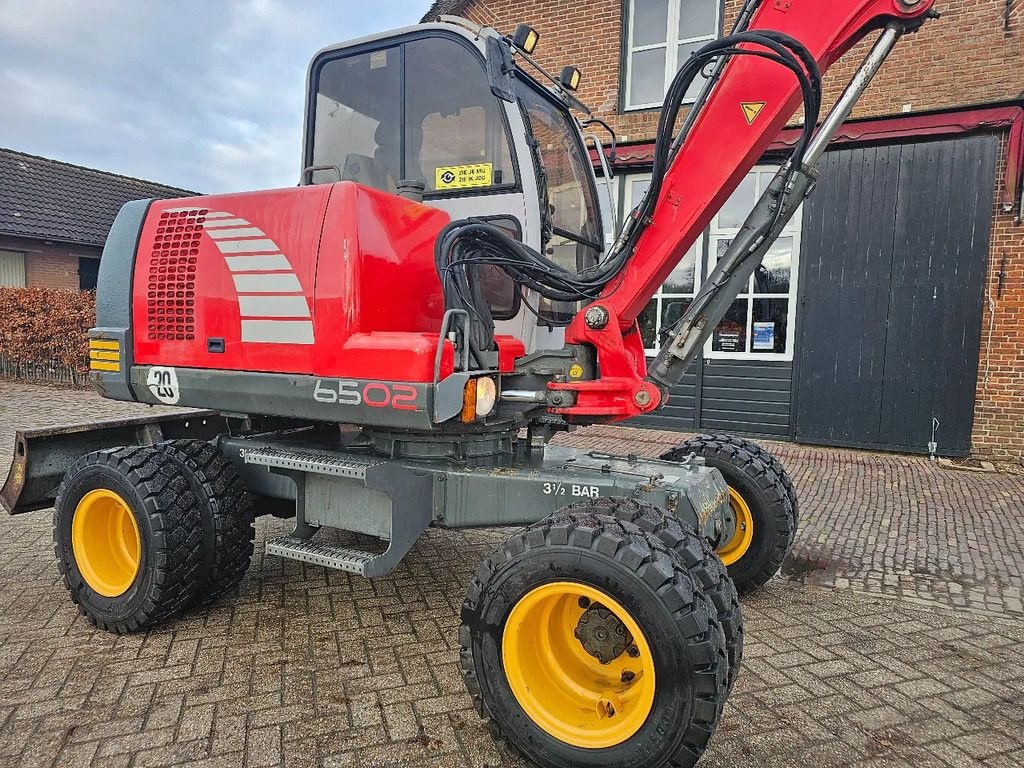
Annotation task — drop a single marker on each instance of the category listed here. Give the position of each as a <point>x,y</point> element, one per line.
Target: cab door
<point>470,149</point>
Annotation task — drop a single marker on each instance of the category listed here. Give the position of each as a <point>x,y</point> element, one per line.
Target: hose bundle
<point>464,245</point>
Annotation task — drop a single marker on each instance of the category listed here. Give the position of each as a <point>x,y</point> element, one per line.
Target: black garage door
<point>895,247</point>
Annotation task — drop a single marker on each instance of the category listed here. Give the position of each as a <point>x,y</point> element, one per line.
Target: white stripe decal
<point>274,282</point>
<point>275,262</point>
<point>273,306</point>
<point>266,285</point>
<point>246,246</point>
<point>225,223</point>
<point>223,234</point>
<point>278,331</point>
<point>183,210</point>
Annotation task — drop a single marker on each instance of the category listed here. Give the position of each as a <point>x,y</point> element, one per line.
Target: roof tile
<point>443,8</point>
<point>49,200</point>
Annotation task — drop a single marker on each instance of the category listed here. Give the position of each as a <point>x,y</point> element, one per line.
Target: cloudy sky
<point>205,95</point>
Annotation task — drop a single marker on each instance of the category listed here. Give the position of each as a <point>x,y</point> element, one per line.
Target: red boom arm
<point>745,112</point>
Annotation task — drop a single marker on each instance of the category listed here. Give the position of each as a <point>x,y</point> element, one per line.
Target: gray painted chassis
<point>334,483</point>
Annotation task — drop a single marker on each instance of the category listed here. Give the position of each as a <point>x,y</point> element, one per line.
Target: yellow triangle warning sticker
<point>751,109</point>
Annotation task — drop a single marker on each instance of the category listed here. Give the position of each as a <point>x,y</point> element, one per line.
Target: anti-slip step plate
<point>318,462</point>
<point>339,558</point>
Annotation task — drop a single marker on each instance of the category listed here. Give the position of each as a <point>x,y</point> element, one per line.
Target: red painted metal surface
<point>509,348</point>
<point>720,150</point>
<point>948,123</point>
<point>330,280</point>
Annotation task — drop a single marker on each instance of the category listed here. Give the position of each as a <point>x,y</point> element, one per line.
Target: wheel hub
<point>561,679</point>
<point>739,529</point>
<point>106,543</point>
<point>602,634</point>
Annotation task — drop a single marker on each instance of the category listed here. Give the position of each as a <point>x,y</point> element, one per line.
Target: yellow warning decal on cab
<point>751,109</point>
<point>463,176</point>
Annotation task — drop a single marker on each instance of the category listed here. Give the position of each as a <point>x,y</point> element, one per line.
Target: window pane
<point>650,22</point>
<point>567,170</point>
<point>452,118</point>
<point>720,247</point>
<point>682,278</point>
<point>647,77</point>
<point>649,325</point>
<point>731,333</point>
<point>774,274</point>
<point>771,324</point>
<point>698,18</point>
<point>500,290</point>
<point>12,269</point>
<point>685,50</point>
<point>671,311</point>
<point>357,124</point>
<point>638,188</point>
<point>739,206</point>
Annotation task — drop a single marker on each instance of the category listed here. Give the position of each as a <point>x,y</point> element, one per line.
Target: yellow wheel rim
<point>561,686</point>
<point>743,533</point>
<point>106,543</point>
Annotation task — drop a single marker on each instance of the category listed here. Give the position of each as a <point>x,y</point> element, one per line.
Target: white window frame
<point>706,246</point>
<point>792,229</point>
<point>671,46</point>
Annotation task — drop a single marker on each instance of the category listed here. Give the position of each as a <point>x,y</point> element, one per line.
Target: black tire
<point>160,500</point>
<point>696,553</point>
<point>769,458</point>
<point>676,617</point>
<point>765,493</point>
<point>226,513</point>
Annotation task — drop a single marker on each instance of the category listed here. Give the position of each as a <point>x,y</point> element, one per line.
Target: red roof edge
<point>894,128</point>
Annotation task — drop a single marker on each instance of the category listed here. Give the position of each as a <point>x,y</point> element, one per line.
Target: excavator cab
<point>444,107</point>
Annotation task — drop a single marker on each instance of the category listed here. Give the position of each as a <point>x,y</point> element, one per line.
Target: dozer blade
<point>42,456</point>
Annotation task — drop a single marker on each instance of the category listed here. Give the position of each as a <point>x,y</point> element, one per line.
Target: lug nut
<point>633,651</point>
<point>628,676</point>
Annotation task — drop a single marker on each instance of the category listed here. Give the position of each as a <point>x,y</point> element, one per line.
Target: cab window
<point>448,131</point>
<point>455,131</point>
<point>567,183</point>
<point>357,126</point>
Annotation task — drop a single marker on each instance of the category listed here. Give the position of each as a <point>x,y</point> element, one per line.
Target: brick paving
<point>888,524</point>
<point>896,638</point>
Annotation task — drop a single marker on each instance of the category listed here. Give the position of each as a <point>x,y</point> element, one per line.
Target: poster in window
<point>764,337</point>
<point>728,339</point>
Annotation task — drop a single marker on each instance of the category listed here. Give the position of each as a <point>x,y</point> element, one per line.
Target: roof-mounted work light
<point>570,78</point>
<point>525,38</point>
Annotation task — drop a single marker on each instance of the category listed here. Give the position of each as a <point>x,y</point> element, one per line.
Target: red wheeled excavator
<point>393,343</point>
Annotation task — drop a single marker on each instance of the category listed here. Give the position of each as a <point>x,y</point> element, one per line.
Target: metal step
<point>339,558</point>
<point>319,462</point>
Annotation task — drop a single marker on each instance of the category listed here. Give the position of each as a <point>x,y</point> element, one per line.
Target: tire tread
<point>176,545</point>
<point>229,505</point>
<point>652,561</point>
<point>767,473</point>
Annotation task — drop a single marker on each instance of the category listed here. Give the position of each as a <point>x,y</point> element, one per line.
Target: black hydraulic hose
<point>783,47</point>
<point>463,246</point>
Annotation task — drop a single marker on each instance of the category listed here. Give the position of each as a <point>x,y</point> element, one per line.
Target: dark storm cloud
<point>202,95</point>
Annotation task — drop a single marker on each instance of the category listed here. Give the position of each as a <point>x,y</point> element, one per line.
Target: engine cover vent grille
<point>170,293</point>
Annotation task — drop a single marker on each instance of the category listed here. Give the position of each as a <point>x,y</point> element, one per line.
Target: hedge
<point>43,334</point>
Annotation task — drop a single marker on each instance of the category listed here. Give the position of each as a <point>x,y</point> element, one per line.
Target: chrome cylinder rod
<point>860,82</point>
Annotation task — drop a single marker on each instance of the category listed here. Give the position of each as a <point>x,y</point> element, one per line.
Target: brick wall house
<point>54,218</point>
<point>932,160</point>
